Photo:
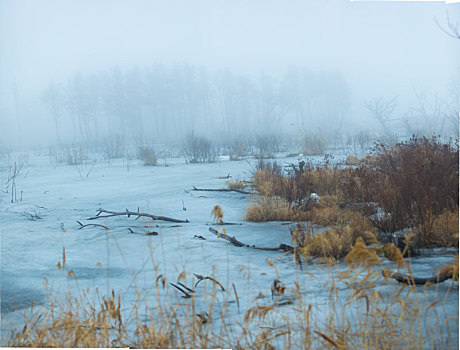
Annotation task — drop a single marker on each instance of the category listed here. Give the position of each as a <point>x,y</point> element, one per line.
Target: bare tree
<point>450,29</point>
<point>431,111</point>
<point>453,105</point>
<point>382,110</point>
<point>53,99</point>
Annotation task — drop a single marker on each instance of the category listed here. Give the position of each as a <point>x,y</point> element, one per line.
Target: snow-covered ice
<point>34,232</point>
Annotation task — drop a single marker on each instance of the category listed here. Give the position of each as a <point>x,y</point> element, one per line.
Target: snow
<point>56,196</point>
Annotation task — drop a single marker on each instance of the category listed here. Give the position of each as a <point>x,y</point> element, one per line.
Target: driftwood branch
<point>83,226</point>
<point>283,247</point>
<point>221,190</point>
<point>411,280</point>
<point>133,213</point>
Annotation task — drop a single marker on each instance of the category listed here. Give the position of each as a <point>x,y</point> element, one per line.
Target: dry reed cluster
<point>413,186</point>
<point>363,309</point>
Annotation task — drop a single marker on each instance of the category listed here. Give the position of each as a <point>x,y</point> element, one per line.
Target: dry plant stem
<point>133,213</point>
<point>235,242</point>
<point>408,279</point>
<point>221,190</point>
<point>87,225</point>
<point>202,278</point>
<point>186,294</point>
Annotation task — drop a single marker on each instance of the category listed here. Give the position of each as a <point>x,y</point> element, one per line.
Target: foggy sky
<point>382,48</point>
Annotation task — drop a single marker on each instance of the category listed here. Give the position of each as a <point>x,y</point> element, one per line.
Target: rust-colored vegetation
<point>412,187</point>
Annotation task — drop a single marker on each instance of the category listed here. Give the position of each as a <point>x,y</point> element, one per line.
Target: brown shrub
<point>148,156</point>
<point>445,229</point>
<point>360,226</point>
<point>330,243</point>
<point>236,185</point>
<point>392,253</point>
<point>273,209</point>
<point>415,182</point>
<point>360,255</point>
<point>450,270</point>
<point>352,160</point>
<point>313,144</point>
<point>328,216</point>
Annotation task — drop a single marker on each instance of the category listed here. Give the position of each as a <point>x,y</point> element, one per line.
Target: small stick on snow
<point>87,225</point>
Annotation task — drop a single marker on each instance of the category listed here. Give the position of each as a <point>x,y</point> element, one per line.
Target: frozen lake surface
<point>54,197</point>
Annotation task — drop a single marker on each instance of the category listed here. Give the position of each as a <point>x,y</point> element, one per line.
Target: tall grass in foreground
<point>358,309</point>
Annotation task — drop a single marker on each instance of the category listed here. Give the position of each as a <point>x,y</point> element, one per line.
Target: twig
<point>235,242</point>
<point>186,295</point>
<point>202,278</point>
<point>236,296</point>
<point>133,213</point>
<point>221,190</point>
<point>83,226</point>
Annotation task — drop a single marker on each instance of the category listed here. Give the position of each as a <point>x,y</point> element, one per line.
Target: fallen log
<point>411,280</point>
<point>283,247</point>
<point>133,213</point>
<point>221,190</point>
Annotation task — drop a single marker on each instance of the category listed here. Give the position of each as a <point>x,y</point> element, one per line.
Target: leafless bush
<point>362,139</point>
<point>114,147</point>
<point>238,147</point>
<point>197,149</point>
<point>265,146</point>
<point>313,144</point>
<point>14,171</point>
<point>75,156</point>
<point>148,156</point>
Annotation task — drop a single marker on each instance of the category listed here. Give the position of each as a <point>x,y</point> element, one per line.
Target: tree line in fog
<point>158,102</point>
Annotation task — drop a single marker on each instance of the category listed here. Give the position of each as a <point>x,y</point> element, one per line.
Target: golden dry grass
<point>451,269</point>
<point>445,229</point>
<point>360,255</point>
<point>352,160</point>
<point>236,185</point>
<point>356,317</point>
<point>272,209</point>
<point>329,216</point>
<point>392,253</point>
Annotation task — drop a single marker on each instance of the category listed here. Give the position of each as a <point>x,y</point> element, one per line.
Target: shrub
<point>114,147</point>
<point>272,209</point>
<point>238,148</point>
<point>236,185</point>
<point>444,231</point>
<point>197,149</point>
<point>265,146</point>
<point>392,253</point>
<point>352,160</point>
<point>450,270</point>
<point>412,183</point>
<point>75,156</point>
<point>148,156</point>
<point>313,144</point>
<point>362,138</point>
<point>328,215</point>
<point>360,255</point>
<point>333,242</point>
